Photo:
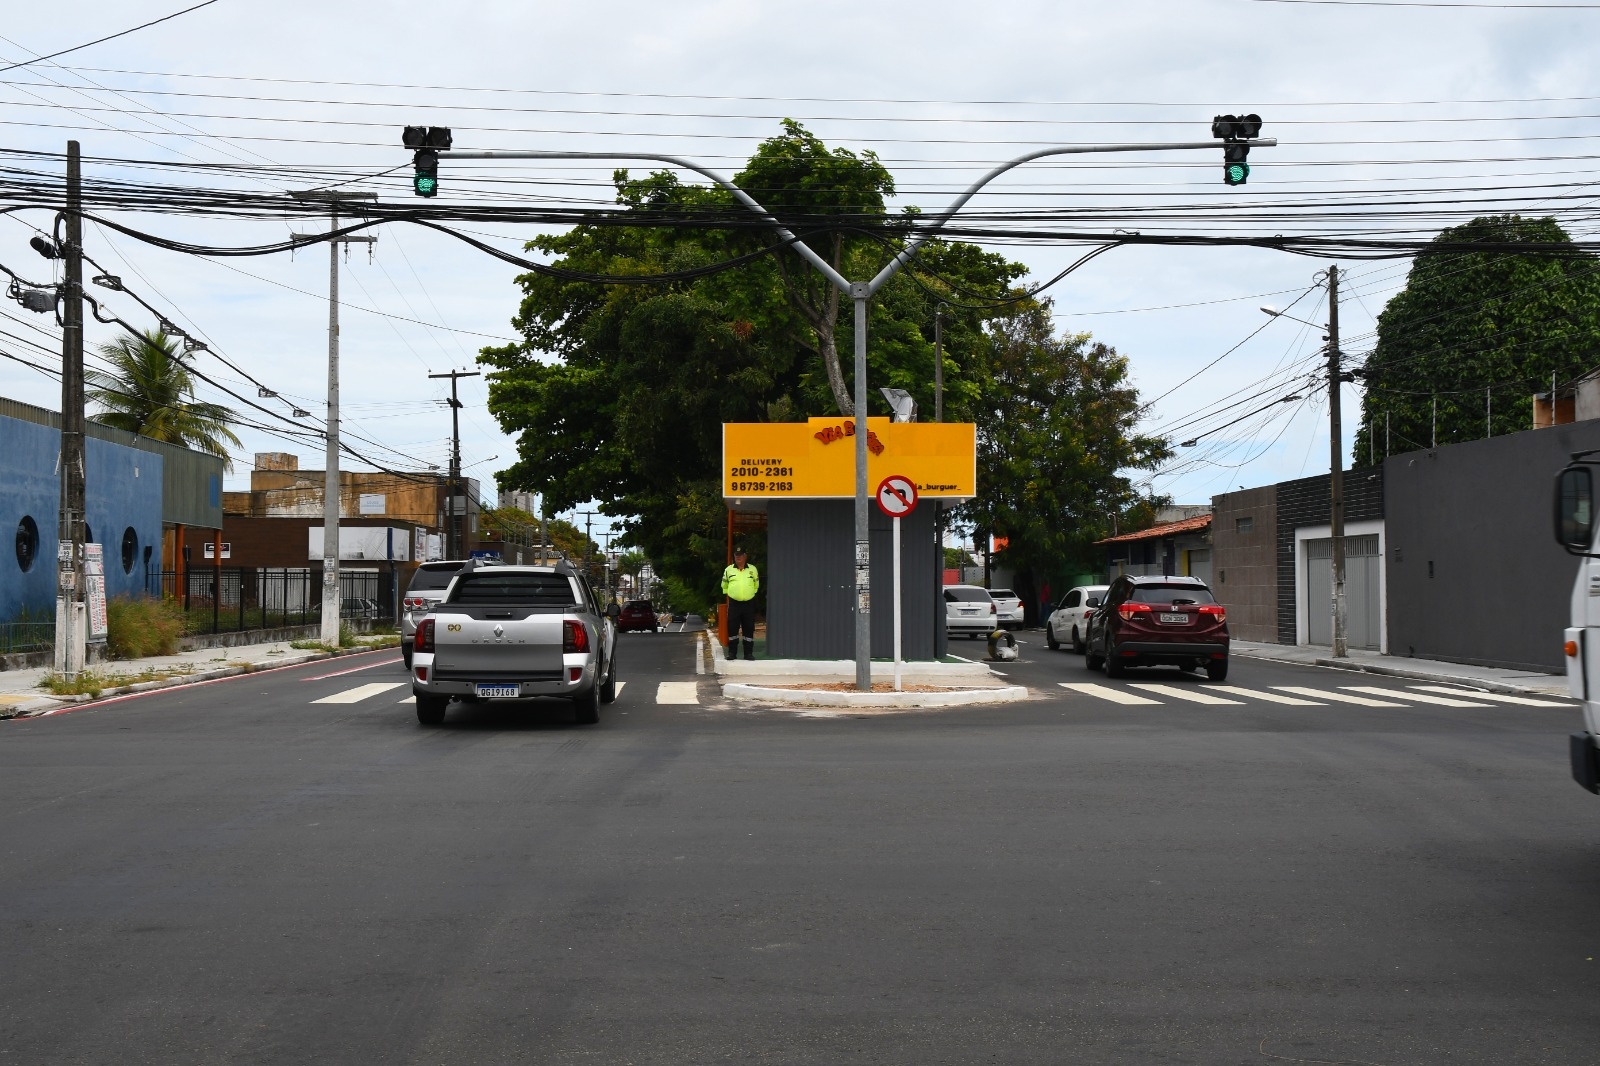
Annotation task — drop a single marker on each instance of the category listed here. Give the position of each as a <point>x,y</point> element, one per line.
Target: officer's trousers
<point>741,620</point>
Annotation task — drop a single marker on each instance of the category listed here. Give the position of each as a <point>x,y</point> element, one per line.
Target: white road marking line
<point>685,692</point>
<point>620,686</point>
<point>1495,697</point>
<point>1192,695</point>
<point>1115,695</point>
<point>1270,697</point>
<point>1440,701</point>
<point>353,669</point>
<point>408,699</point>
<point>1341,697</point>
<point>700,651</point>
<point>360,692</point>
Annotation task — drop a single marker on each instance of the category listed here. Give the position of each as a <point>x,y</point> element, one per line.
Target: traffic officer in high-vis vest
<point>739,583</point>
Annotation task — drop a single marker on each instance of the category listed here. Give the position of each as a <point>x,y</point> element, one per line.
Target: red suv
<point>1154,621</point>
<point>638,614</point>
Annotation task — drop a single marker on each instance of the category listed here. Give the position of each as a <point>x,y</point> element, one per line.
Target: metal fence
<point>26,636</point>
<point>235,598</point>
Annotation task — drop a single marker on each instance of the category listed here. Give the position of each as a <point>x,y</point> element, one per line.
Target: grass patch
<point>94,682</point>
<point>143,625</point>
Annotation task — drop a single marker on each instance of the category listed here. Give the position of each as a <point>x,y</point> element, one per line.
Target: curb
<point>1505,688</point>
<point>45,706</point>
<point>824,698</point>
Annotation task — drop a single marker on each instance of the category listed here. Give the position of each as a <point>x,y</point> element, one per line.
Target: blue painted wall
<point>124,491</point>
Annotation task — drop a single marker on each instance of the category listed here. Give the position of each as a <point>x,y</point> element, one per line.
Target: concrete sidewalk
<point>21,696</point>
<point>1488,678</point>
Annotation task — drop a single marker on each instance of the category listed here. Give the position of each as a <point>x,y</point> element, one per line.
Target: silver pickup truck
<point>515,632</point>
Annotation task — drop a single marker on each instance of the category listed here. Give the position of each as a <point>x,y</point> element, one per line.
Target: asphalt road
<point>237,873</point>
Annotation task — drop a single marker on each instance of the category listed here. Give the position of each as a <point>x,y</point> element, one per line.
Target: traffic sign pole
<point>897,497</point>
<point>897,603</point>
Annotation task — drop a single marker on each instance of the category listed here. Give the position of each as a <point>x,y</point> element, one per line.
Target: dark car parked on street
<point>638,614</point>
<point>1158,621</point>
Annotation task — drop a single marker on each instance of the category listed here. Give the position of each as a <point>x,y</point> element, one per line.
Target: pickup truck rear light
<point>424,635</point>
<point>1216,611</point>
<point>576,636</point>
<point>1130,611</point>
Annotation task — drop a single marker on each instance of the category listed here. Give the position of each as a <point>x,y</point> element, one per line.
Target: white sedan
<point>1069,622</point>
<point>1008,608</point>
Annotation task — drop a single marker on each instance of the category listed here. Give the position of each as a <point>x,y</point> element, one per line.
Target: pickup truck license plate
<point>1181,619</point>
<point>498,691</point>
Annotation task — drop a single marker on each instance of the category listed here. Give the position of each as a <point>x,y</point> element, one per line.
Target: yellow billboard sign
<point>816,460</point>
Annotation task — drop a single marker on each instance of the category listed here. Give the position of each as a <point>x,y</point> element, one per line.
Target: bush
<point>143,625</point>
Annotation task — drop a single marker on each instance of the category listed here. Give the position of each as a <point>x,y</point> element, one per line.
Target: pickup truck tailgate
<point>488,649</point>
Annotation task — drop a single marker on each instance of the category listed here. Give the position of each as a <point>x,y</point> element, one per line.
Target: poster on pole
<point>94,591</point>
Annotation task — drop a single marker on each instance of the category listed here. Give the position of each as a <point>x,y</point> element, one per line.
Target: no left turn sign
<point>897,496</point>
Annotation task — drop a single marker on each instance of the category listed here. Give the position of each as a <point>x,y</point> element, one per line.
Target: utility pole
<point>938,364</point>
<point>453,532</point>
<point>332,602</point>
<point>1336,468</point>
<point>588,519</point>
<point>71,624</point>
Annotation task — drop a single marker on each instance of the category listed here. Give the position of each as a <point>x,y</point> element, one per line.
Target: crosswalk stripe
<point>1341,697</point>
<point>409,699</point>
<point>1270,697</point>
<point>1439,701</point>
<point>678,692</point>
<point>360,692</point>
<point>1105,692</point>
<point>1192,695</point>
<point>1495,697</point>
<point>620,686</point>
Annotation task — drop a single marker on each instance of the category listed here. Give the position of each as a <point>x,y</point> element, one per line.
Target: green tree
<point>1467,322</point>
<point>149,391</point>
<point>1057,436</point>
<point>618,393</point>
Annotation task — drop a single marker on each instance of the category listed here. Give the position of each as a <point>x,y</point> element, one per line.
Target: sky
<point>1393,120</point>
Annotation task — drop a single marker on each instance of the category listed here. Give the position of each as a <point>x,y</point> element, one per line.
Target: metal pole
<point>897,603</point>
<point>861,291</point>
<point>1336,468</point>
<point>71,625</point>
<point>330,466</point>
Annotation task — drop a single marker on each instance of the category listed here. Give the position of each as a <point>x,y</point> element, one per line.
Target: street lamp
<point>859,293</point>
<point>1341,647</point>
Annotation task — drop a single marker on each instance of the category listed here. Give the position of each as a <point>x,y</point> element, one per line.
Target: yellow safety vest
<point>740,584</point>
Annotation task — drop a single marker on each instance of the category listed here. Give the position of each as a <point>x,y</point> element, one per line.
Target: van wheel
<point>586,708</point>
<point>430,709</point>
<point>1050,637</point>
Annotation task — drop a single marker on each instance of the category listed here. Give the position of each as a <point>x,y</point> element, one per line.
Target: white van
<point>1575,529</point>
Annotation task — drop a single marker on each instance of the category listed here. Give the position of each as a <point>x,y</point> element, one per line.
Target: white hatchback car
<point>968,611</point>
<point>1008,608</point>
<point>1069,623</point>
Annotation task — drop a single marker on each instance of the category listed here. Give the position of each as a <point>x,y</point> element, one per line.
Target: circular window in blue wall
<point>27,542</point>
<point>130,549</point>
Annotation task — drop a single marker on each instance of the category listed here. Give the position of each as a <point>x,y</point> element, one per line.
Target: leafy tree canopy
<point>1467,322</point>
<point>149,391</point>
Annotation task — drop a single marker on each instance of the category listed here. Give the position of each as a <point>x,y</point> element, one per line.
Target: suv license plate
<point>1181,619</point>
<point>498,692</point>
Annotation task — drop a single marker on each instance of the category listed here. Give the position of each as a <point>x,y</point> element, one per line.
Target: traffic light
<point>425,142</point>
<point>1235,131</point>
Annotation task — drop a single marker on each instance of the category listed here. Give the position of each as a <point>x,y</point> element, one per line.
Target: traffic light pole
<point>860,292</point>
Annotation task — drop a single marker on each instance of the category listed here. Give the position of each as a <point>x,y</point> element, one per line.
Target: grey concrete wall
<point>1305,503</point>
<point>1244,565</point>
<point>1474,572</point>
<point>810,582</point>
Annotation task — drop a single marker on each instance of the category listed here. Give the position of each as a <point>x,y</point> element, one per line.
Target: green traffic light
<point>1236,173</point>
<point>425,184</point>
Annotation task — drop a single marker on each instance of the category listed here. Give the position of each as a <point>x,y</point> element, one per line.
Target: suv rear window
<point>967,594</point>
<point>433,577</point>
<point>1003,594</point>
<point>1168,593</point>
<point>490,588</point>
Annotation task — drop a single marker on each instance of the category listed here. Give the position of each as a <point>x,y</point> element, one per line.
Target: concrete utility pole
<point>1336,467</point>
<point>859,292</point>
<point>454,534</point>
<point>71,623</point>
<point>332,602</point>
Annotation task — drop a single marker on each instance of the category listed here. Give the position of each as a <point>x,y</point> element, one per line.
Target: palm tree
<point>149,391</point>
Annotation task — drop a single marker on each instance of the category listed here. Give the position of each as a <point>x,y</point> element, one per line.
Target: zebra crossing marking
<point>1270,697</point>
<point>1438,701</point>
<point>361,692</point>
<point>1341,697</point>
<point>620,686</point>
<point>678,692</point>
<point>1115,695</point>
<point>1191,694</point>
<point>1494,697</point>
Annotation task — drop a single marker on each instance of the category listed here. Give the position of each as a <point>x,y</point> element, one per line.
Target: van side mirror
<point>1574,509</point>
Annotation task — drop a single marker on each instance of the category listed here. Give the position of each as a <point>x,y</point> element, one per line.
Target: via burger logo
<point>829,434</point>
